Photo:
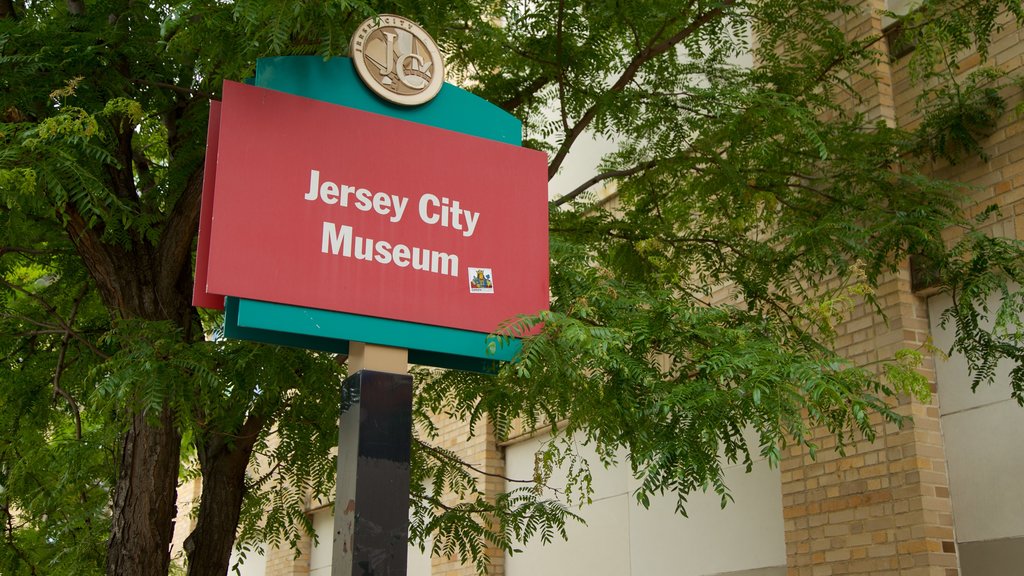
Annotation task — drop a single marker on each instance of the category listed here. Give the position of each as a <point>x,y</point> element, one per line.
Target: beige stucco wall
<point>622,538</point>
<point>983,432</point>
<point>254,564</point>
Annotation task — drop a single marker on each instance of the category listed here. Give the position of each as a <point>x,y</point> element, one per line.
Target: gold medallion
<point>397,60</point>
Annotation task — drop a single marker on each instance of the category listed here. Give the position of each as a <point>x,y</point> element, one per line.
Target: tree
<point>750,177</point>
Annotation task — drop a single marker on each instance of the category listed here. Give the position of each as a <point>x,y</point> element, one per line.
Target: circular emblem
<point>397,60</point>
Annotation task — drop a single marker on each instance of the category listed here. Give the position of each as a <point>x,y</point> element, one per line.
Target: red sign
<point>200,297</point>
<point>323,206</point>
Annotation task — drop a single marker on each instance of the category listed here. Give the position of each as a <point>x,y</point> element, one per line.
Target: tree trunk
<point>145,496</point>
<point>144,500</point>
<point>152,283</point>
<point>223,464</point>
<point>7,10</point>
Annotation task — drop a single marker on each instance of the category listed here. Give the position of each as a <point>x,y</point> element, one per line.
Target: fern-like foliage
<point>693,318</point>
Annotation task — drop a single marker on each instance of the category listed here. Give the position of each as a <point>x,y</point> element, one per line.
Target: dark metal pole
<point>371,510</point>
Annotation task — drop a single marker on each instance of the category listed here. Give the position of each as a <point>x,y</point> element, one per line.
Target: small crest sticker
<point>481,281</point>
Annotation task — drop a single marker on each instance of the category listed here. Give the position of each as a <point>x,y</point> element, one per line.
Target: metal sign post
<point>371,509</point>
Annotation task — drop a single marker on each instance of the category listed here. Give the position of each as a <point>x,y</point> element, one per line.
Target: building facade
<point>937,497</point>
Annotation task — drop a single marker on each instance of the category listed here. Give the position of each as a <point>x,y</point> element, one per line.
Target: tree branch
<point>60,367</point>
<point>176,238</point>
<point>627,76</point>
<point>28,251</point>
<point>95,254</point>
<point>448,457</point>
<point>859,49</point>
<point>9,529</point>
<point>71,400</point>
<point>601,177</point>
<point>517,99</point>
<point>561,66</point>
<point>61,323</point>
<point>259,481</point>
<point>122,177</point>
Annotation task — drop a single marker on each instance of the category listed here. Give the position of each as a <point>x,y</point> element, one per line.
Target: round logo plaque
<point>397,60</point>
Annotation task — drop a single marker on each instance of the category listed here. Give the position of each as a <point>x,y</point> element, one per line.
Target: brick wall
<point>481,451</point>
<point>882,506</point>
<point>885,506</point>
<point>188,495</point>
<point>287,562</point>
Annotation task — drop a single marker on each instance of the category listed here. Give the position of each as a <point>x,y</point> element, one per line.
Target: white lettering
<point>329,192</point>
<point>420,259</point>
<point>432,209</point>
<point>346,191</point>
<point>339,241</point>
<point>314,185</point>
<point>382,203</point>
<point>471,219</point>
<point>401,255</point>
<point>425,200</point>
<point>399,202</point>
<point>449,213</point>
<point>364,249</point>
<point>383,252</point>
<point>446,263</point>
<point>456,212</point>
<point>363,201</point>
